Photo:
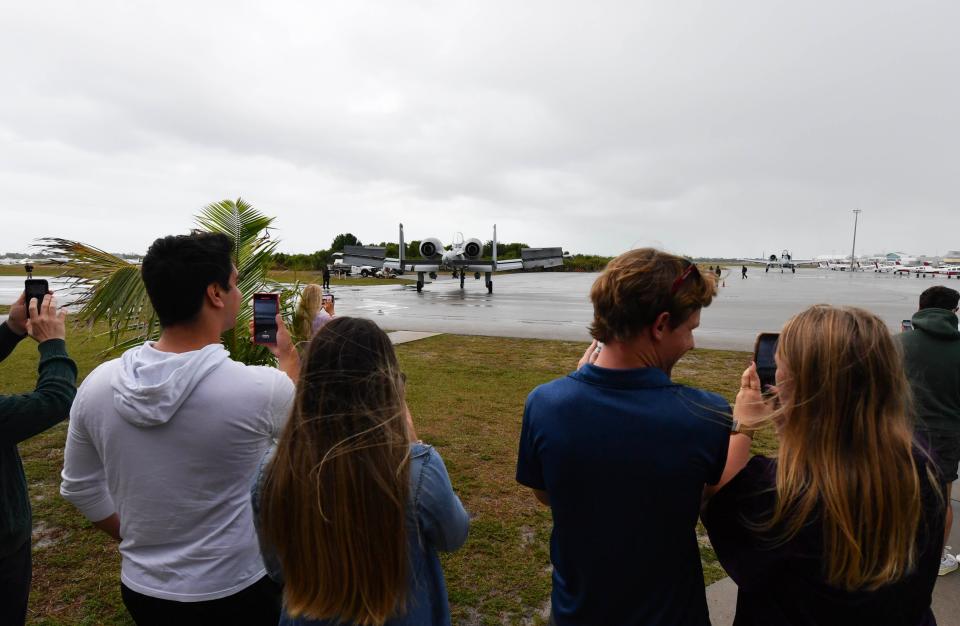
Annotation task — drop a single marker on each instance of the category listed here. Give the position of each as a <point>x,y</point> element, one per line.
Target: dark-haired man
<point>21,417</point>
<point>164,441</point>
<point>621,453</point>
<point>932,356</point>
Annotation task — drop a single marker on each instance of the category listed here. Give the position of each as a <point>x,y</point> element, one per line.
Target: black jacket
<point>21,417</point>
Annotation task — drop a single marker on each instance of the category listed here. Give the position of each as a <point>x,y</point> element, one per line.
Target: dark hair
<point>178,269</point>
<point>639,285</point>
<point>939,297</point>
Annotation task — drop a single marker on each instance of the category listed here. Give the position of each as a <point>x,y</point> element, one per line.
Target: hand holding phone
<point>35,289</point>
<point>764,353</point>
<point>47,323</point>
<point>266,306</point>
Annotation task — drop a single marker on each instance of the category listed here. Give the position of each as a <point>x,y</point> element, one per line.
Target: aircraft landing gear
<point>487,276</point>
<point>766,270</point>
<point>419,282</point>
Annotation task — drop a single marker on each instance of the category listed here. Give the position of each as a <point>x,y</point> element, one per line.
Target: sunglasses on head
<point>690,268</point>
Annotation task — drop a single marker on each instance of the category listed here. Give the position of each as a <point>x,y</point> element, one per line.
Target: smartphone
<point>35,288</point>
<point>906,325</point>
<point>327,297</point>
<point>763,355</point>
<point>265,309</point>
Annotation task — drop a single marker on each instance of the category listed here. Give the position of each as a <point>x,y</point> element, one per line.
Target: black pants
<point>326,282</point>
<point>15,572</point>
<point>257,604</point>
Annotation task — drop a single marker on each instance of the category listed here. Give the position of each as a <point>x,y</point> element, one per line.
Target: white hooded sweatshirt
<point>170,442</point>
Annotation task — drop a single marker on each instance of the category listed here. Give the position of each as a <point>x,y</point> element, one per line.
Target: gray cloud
<point>708,128</point>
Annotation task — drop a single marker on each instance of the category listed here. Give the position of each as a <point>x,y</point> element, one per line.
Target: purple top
<point>319,321</point>
<point>784,584</point>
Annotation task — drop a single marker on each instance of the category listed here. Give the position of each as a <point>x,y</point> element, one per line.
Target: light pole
<point>853,252</point>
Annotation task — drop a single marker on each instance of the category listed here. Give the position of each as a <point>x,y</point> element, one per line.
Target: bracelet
<point>739,429</point>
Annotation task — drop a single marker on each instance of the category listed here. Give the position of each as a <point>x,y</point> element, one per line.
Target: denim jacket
<point>436,521</point>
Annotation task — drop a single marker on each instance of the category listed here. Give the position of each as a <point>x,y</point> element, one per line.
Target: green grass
<point>289,276</point>
<point>466,395</point>
<point>38,270</point>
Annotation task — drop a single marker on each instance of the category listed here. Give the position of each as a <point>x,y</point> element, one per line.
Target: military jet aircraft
<point>784,261</point>
<point>462,257</point>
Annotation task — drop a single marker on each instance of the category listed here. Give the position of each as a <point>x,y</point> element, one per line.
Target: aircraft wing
<point>375,256</point>
<point>411,266</point>
<point>529,259</point>
<point>364,255</point>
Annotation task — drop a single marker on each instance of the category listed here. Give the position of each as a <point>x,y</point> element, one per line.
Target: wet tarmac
<point>550,305</point>
<point>557,306</point>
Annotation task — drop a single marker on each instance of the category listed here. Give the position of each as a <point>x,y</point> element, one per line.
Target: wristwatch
<point>739,428</point>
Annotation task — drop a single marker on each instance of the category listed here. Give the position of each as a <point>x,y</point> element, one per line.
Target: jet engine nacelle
<point>430,248</point>
<point>773,257</point>
<point>472,248</point>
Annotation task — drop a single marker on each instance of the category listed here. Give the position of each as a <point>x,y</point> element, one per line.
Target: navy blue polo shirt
<point>624,456</point>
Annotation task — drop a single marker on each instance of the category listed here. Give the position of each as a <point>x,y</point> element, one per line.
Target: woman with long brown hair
<point>352,509</point>
<point>845,526</point>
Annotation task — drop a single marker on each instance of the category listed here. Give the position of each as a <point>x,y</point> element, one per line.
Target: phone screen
<point>35,288</point>
<point>766,350</point>
<point>265,309</point>
<point>906,325</point>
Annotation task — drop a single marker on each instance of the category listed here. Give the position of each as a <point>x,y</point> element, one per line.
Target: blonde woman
<point>315,310</point>
<point>353,509</point>
<point>845,526</point>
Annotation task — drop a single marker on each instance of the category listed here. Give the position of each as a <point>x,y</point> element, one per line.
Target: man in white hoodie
<point>164,442</point>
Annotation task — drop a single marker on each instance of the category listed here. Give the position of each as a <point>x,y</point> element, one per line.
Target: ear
<point>215,295</point>
<point>660,325</point>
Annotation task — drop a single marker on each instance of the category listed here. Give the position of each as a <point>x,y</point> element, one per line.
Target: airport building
<point>952,257</point>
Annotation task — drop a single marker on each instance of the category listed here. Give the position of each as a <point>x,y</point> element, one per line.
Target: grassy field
<point>466,394</point>
<point>38,270</point>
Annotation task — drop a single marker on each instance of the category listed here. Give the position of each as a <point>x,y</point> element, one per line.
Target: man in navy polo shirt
<point>621,454</point>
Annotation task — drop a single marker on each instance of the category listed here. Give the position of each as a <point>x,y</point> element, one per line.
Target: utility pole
<point>853,252</point>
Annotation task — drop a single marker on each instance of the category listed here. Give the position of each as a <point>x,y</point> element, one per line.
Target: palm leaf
<point>112,290</point>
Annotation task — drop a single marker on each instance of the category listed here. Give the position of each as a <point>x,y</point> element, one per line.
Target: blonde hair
<point>639,285</point>
<point>846,446</point>
<point>335,495</point>
<point>311,299</point>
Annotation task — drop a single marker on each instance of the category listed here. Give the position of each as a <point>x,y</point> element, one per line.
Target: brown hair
<point>846,446</point>
<point>639,285</point>
<point>335,495</point>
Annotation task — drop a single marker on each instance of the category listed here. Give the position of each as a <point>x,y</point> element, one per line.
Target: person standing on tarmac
<point>743,272</point>
<point>932,359</point>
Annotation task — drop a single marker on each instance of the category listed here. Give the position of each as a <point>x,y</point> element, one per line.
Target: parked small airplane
<point>784,261</point>
<point>462,257</point>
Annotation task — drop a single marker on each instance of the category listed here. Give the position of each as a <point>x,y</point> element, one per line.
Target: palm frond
<point>112,289</point>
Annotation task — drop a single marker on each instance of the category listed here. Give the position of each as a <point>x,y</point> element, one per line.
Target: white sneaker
<point>948,562</point>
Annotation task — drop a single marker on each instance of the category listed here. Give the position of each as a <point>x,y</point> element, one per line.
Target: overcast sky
<point>707,128</point>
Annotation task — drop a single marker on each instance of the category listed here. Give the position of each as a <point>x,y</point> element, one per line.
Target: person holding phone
<point>164,441</point>
<point>353,508</point>
<point>21,417</point>
<point>314,310</point>
<point>845,525</point>
<point>621,453</point>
